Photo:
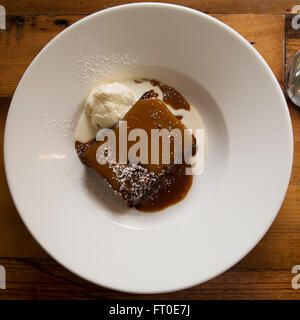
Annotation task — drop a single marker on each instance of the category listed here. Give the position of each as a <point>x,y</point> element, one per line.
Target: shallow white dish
<point>230,206</point>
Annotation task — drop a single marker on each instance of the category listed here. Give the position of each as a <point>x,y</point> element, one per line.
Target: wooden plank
<point>45,279</point>
<point>27,35</point>
<point>20,7</point>
<point>264,274</point>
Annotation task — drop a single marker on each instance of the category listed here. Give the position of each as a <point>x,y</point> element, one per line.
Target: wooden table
<point>265,273</point>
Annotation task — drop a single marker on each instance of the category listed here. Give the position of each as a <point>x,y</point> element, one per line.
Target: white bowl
<point>230,206</point>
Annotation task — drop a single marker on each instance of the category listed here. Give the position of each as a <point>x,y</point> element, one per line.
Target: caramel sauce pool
<point>168,195</point>
<point>171,96</point>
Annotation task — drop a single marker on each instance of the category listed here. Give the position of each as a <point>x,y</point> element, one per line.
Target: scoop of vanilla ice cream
<point>108,103</point>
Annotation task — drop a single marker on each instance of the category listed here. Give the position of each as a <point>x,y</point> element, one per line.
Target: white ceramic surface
<point>230,206</point>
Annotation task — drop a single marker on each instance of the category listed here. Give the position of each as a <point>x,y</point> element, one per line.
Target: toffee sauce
<point>174,188</point>
<point>177,184</point>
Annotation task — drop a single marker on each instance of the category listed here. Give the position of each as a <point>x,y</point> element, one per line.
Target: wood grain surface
<point>264,274</point>
<point>54,7</point>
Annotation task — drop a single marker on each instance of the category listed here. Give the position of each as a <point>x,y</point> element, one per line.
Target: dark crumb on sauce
<point>149,94</point>
<point>82,147</point>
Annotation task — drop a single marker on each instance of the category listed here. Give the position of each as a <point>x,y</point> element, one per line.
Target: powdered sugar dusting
<point>95,63</point>
<point>134,180</point>
<point>58,127</point>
